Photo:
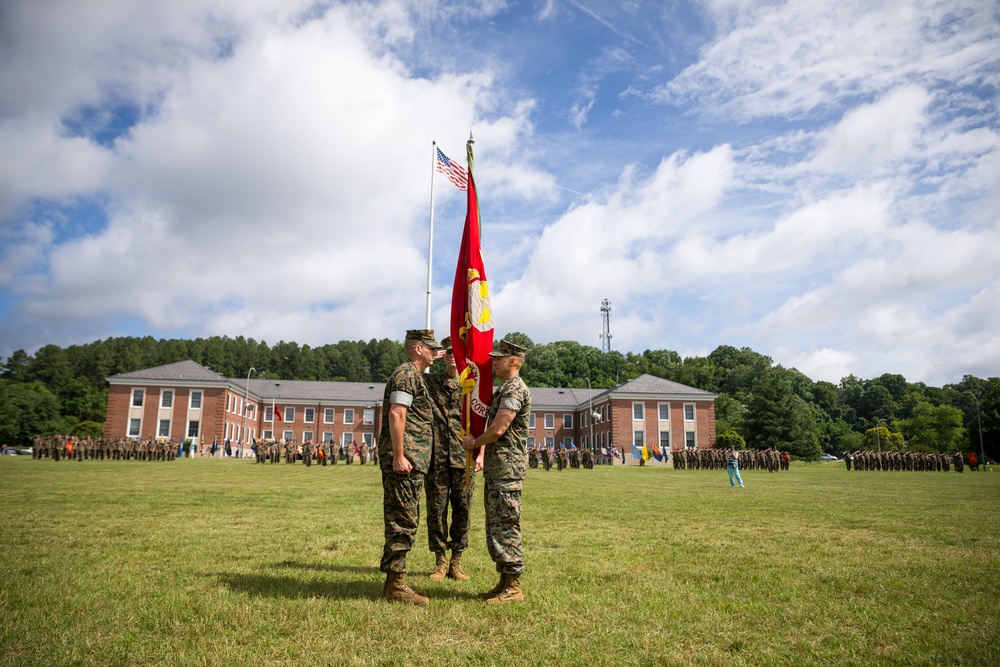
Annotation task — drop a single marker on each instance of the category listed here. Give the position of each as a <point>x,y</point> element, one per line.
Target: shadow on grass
<point>269,585</point>
<point>266,585</point>
<point>328,567</point>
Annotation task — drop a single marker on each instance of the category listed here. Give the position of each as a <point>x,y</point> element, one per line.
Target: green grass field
<point>231,563</point>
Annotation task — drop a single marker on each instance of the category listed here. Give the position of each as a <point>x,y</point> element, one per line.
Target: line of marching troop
<point>57,447</point>
<point>691,458</point>
<point>925,461</point>
<point>562,458</point>
<point>322,453</point>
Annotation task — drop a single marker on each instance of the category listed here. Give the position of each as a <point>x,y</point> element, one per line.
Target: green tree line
<point>761,404</point>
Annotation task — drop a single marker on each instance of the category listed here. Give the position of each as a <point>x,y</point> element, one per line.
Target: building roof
<point>182,370</point>
<point>371,392</point>
<point>315,390</point>
<point>650,384</point>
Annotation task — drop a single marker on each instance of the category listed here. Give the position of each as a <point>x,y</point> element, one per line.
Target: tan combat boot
<point>396,590</point>
<point>440,567</point>
<point>512,593</point>
<point>455,567</point>
<point>496,590</point>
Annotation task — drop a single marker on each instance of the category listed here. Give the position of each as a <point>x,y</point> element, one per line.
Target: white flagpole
<point>430,236</point>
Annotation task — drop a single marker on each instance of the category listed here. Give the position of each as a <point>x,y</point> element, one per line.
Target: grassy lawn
<point>231,563</point>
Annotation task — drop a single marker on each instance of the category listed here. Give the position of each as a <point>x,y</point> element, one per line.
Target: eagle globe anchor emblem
<point>480,318</point>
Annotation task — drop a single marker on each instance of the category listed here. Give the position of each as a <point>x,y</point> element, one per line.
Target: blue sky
<point>817,180</point>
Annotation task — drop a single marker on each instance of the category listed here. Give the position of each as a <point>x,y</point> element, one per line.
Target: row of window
<point>638,414</point>
<point>346,437</point>
<point>163,428</point>
<point>309,415</point>
<point>602,440</point>
<point>166,398</point>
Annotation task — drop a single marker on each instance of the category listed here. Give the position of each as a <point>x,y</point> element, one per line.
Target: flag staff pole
<point>430,236</point>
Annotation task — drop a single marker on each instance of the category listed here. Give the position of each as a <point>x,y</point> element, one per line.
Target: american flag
<point>455,172</point>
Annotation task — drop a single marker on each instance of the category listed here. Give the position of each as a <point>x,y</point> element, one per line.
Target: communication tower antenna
<point>606,332</point>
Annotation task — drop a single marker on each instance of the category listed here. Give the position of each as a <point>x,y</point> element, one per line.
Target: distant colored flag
<point>614,452</point>
<point>645,452</point>
<point>472,319</point>
<point>276,411</point>
<point>657,454</point>
<point>455,172</point>
<point>636,452</point>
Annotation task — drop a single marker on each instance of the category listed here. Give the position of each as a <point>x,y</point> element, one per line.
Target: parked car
<point>828,457</point>
<point>10,451</point>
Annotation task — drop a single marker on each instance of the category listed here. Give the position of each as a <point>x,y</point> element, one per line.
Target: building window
<point>164,430</point>
<point>289,415</point>
<point>268,414</point>
<point>689,412</point>
<point>637,411</point>
<point>549,441</point>
<point>327,436</point>
<point>287,436</point>
<point>196,400</point>
<point>568,421</point>
<point>307,436</point>
<point>531,420</point>
<point>531,441</point>
<point>567,441</point>
<point>664,440</point>
<point>193,426</point>
<point>348,415</point>
<point>368,438</point>
<point>310,415</point>
<point>550,421</point>
<point>347,438</point>
<point>638,438</point>
<point>328,415</point>
<point>137,396</point>
<point>229,403</point>
<point>267,435</point>
<point>689,439</point>
<point>167,398</point>
<point>664,412</point>
<point>369,416</point>
<point>133,427</point>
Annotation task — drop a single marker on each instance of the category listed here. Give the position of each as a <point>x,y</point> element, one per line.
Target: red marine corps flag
<point>472,322</point>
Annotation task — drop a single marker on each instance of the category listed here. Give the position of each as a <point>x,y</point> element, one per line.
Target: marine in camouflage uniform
<point>504,463</point>
<point>445,480</point>
<point>405,444</point>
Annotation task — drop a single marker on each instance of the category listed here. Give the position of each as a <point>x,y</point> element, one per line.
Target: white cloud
<point>787,59</point>
<point>274,190</point>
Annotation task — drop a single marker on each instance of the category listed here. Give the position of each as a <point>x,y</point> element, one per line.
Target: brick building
<point>185,400</point>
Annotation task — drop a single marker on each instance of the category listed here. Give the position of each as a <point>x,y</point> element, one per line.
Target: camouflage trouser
<point>401,507</point>
<point>503,525</point>
<point>447,485</point>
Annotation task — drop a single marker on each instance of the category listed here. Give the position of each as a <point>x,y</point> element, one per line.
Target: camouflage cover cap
<point>507,349</point>
<point>425,336</point>
<point>446,343</point>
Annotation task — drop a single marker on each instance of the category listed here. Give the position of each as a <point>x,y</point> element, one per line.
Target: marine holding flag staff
<point>404,447</point>
<point>504,463</point>
<point>446,479</point>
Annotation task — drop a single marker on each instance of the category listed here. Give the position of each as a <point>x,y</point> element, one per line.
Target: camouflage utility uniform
<point>401,492</point>
<point>446,477</point>
<point>503,469</point>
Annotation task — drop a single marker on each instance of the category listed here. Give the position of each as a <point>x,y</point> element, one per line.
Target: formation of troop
<point>58,447</point>
<point>422,445</point>
<point>322,453</point>
<point>560,456</point>
<point>923,461</point>
<point>771,460</point>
